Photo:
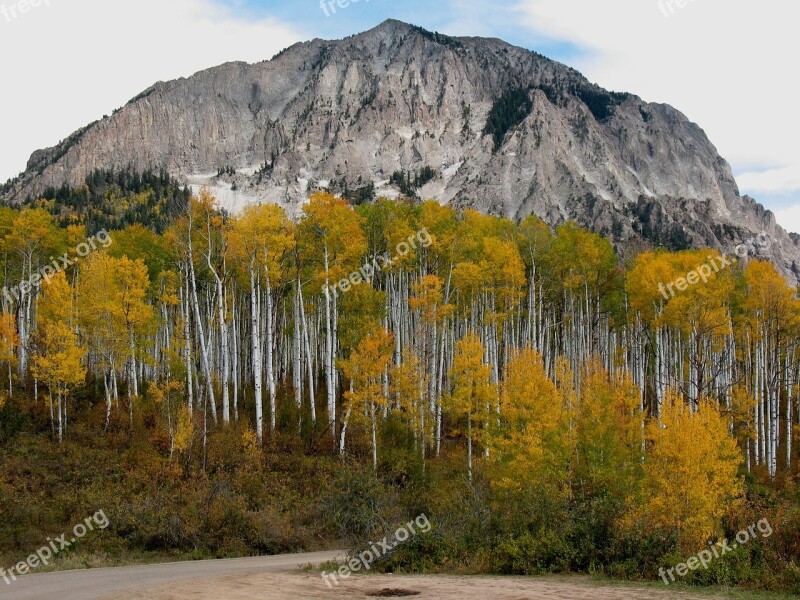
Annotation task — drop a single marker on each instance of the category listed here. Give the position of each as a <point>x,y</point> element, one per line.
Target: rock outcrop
<point>469,121</point>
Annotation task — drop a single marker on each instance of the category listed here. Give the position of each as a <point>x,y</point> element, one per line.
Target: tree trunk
<point>187,340</point>
<point>329,352</point>
<point>309,357</point>
<point>256,334</point>
<point>203,347</point>
<point>270,358</point>
<point>223,335</point>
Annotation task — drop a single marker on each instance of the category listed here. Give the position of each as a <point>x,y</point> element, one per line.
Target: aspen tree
<point>472,391</point>
<point>261,239</point>
<point>58,356</point>
<point>364,369</point>
<point>690,472</point>
<point>335,242</point>
<point>532,445</point>
<point>9,343</point>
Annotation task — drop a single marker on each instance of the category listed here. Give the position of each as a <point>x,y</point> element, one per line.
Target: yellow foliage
<point>260,237</point>
<point>470,377</point>
<point>690,471</point>
<point>113,307</point>
<point>331,227</point>
<point>250,442</point>
<point>473,395</point>
<point>428,297</point>
<point>9,338</point>
<point>364,369</point>
<point>58,356</point>
<point>609,432</point>
<point>770,299</point>
<point>408,386</point>
<point>532,446</point>
<point>582,259</point>
<point>184,432</point>
<point>702,308</point>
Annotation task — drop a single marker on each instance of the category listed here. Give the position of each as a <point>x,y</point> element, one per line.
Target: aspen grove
<point>534,360</point>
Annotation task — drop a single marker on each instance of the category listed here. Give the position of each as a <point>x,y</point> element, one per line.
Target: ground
<point>293,577</point>
<point>310,586</point>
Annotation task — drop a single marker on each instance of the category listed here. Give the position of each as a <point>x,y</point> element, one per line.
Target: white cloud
<point>789,217</point>
<point>69,63</point>
<point>727,64</point>
<point>771,181</point>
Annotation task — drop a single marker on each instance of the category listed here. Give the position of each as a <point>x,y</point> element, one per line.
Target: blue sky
<point>499,18</point>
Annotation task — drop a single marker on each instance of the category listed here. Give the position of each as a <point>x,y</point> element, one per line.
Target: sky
<point>724,64</point>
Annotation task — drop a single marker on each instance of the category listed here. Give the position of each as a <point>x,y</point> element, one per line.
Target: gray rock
<point>336,114</point>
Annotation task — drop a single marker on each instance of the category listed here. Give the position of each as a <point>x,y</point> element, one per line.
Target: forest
<point>226,385</point>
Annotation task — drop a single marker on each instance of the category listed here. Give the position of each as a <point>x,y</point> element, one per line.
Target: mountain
<point>473,122</point>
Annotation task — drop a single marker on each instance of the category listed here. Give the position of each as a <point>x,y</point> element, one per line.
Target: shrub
<point>533,554</point>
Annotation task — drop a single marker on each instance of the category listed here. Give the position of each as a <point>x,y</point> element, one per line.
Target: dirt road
<point>125,582</point>
<point>309,586</point>
<point>278,578</point>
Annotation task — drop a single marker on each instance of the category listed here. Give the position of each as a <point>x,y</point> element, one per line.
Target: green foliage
<point>356,504</point>
<point>558,464</point>
<point>649,223</point>
<point>735,568</point>
<point>362,195</point>
<point>13,420</point>
<point>61,150</point>
<point>409,182</point>
<point>594,532</point>
<point>533,554</point>
<point>236,507</point>
<point>277,500</point>
<point>439,38</point>
<point>422,553</point>
<point>599,102</point>
<point>8,185</point>
<point>115,199</point>
<point>508,111</point>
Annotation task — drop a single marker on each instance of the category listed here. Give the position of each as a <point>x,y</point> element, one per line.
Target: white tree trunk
<point>297,360</point>
<point>309,356</point>
<point>329,352</point>
<point>256,335</point>
<point>270,358</point>
<point>201,335</point>
<point>223,337</point>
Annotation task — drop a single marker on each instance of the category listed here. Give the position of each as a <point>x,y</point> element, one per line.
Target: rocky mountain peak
<point>473,122</point>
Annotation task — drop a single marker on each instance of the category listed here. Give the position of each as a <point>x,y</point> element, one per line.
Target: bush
<point>732,569</point>
<point>356,504</point>
<point>422,553</point>
<point>594,530</point>
<point>533,554</point>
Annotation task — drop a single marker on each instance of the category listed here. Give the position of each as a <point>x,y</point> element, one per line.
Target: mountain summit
<point>473,122</point>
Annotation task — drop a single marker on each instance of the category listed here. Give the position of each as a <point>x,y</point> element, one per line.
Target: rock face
<point>500,129</point>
